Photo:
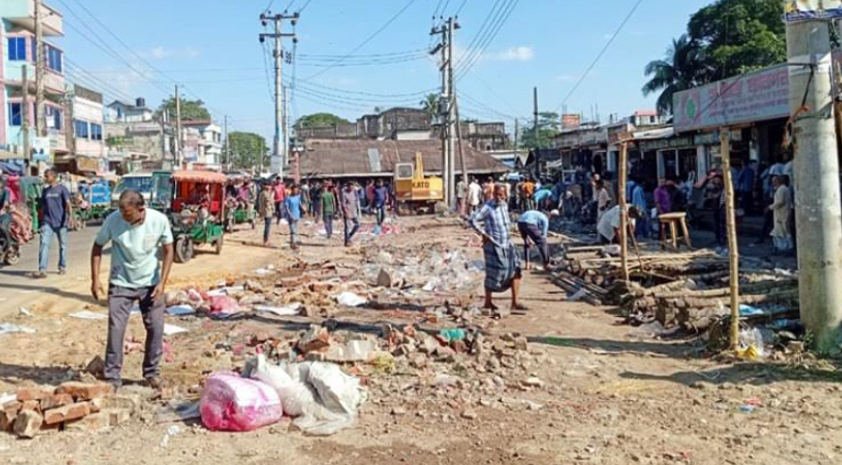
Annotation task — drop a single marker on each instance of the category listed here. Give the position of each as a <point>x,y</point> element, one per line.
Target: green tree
<point>320,120</point>
<point>430,104</point>
<point>549,126</point>
<point>247,149</point>
<point>682,68</point>
<point>738,36</point>
<point>191,110</point>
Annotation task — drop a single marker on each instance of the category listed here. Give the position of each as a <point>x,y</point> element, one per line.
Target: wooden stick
<point>733,253</point>
<point>624,219</point>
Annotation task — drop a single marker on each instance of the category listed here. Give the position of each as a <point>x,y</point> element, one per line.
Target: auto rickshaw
<point>91,201</point>
<point>238,210</point>
<point>196,211</point>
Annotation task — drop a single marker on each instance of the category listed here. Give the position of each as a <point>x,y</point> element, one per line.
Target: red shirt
<point>280,192</point>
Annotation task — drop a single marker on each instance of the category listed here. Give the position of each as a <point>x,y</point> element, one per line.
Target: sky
<point>211,48</point>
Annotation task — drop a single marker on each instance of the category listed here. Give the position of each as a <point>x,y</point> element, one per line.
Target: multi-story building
<point>88,132</point>
<point>208,143</point>
<point>124,112</point>
<point>18,45</point>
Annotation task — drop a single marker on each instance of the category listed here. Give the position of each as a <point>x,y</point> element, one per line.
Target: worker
<point>293,209</point>
<point>781,208</point>
<point>350,212</point>
<point>534,225</point>
<point>58,216</point>
<point>137,234</point>
<point>266,209</point>
<point>502,267</point>
<point>609,225</point>
<point>474,195</point>
<point>328,208</point>
<point>381,199</point>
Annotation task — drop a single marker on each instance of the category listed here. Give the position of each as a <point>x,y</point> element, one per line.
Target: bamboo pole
<point>733,253</point>
<point>624,219</point>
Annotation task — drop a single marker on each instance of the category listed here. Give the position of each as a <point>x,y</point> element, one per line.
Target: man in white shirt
<point>474,195</point>
<point>609,225</point>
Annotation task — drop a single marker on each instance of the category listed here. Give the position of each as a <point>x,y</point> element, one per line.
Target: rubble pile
<point>689,291</point>
<point>75,406</point>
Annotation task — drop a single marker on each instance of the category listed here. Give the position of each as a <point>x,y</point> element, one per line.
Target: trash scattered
<point>89,315</point>
<point>223,306</point>
<point>349,299</point>
<point>454,334</point>
<point>288,310</point>
<point>747,408</point>
<point>171,431</point>
<point>170,330</point>
<point>232,403</point>
<point>6,328</point>
<point>181,310</point>
<point>23,311</point>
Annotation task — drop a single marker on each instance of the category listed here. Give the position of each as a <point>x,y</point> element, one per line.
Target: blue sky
<point>211,48</point>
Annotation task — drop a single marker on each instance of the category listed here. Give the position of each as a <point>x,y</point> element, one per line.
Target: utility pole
<point>537,132</point>
<point>24,115</point>
<point>818,217</point>
<point>69,112</point>
<point>446,106</point>
<point>278,154</point>
<point>227,147</point>
<point>40,114</point>
<point>285,139</point>
<point>178,134</point>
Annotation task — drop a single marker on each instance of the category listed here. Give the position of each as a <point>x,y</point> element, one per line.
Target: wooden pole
<point>733,253</point>
<point>624,219</point>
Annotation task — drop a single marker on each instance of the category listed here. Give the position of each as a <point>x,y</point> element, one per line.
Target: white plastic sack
<point>296,397</point>
<point>337,391</point>
<point>349,299</point>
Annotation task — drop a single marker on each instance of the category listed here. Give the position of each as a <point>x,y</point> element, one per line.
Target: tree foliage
<point>247,150</point>
<point>191,110</point>
<point>724,39</point>
<point>430,104</point>
<point>320,120</point>
<point>549,125</point>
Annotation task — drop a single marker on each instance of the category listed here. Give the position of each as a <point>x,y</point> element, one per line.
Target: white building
<point>88,122</point>
<point>209,150</point>
<point>123,112</point>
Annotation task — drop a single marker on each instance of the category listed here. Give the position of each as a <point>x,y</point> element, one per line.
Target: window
<point>17,48</point>
<point>80,128</point>
<point>53,58</point>
<point>54,118</point>
<point>96,132</point>
<point>15,116</point>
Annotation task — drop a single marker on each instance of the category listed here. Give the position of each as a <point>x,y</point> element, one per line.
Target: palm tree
<point>682,68</point>
<point>430,104</point>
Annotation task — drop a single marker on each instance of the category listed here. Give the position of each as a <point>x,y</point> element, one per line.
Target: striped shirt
<point>495,222</point>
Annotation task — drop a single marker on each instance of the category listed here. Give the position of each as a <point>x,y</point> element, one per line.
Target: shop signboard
<point>665,144</point>
<point>571,120</point>
<point>757,96</point>
<point>802,10</point>
<point>41,149</point>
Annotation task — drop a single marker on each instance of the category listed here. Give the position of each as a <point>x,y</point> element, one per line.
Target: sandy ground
<point>609,397</point>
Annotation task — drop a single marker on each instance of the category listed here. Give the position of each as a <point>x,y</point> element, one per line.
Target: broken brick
<point>317,338</point>
<point>84,391</point>
<point>94,422</point>
<point>67,413</point>
<point>27,424</point>
<point>56,400</point>
<point>117,416</point>
<point>321,287</point>
<point>31,405</point>
<point>98,404</point>
<point>7,419</point>
<point>130,402</point>
<point>34,393</point>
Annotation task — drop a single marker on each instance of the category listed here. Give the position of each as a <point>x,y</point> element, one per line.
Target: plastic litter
<point>748,310</point>
<point>23,311</point>
<point>171,431</point>
<point>288,310</point>
<point>180,310</point>
<point>223,306</point>
<point>349,299</point>
<point>296,397</point>
<point>453,334</point>
<point>178,411</point>
<point>231,403</point>
<point>6,328</point>
<point>352,351</point>
<point>88,315</point>
<point>170,330</point>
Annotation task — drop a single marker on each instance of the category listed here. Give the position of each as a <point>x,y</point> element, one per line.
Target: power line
<point>306,4</point>
<point>438,7</point>
<point>369,38</point>
<point>459,10</point>
<point>506,13</point>
<point>600,54</point>
<point>480,32</point>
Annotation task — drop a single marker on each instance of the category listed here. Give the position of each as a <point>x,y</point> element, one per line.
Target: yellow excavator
<point>413,191</point>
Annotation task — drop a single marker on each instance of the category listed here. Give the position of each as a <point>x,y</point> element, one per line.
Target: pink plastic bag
<point>223,306</point>
<point>232,403</point>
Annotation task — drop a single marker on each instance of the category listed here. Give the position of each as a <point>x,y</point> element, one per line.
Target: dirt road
<point>607,396</point>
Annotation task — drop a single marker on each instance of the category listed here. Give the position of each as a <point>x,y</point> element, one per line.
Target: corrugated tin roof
<point>350,158</point>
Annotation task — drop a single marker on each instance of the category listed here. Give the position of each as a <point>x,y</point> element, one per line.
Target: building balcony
<point>54,83</point>
<point>22,13</point>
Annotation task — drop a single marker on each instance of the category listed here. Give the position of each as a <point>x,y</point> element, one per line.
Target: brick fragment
<point>131,402</point>
<point>93,422</point>
<point>85,391</point>
<point>27,424</point>
<point>67,413</point>
<point>31,405</point>
<point>7,420</point>
<point>34,393</point>
<point>55,400</point>
<point>117,416</point>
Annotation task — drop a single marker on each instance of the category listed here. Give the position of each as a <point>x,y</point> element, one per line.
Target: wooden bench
<point>673,220</point>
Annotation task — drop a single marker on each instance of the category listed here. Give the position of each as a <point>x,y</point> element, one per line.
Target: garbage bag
<point>338,392</point>
<point>232,403</point>
<point>296,397</point>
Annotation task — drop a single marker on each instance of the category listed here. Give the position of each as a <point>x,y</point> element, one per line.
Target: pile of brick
<point>70,406</point>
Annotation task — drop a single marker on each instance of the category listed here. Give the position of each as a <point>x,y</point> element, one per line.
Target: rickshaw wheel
<point>12,256</point>
<point>183,249</point>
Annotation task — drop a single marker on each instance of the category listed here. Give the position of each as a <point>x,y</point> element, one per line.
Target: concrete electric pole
<point>818,215</point>
<point>24,115</point>
<point>536,130</point>
<point>278,152</point>
<point>178,133</point>
<point>227,147</point>
<point>446,106</point>
<point>40,114</point>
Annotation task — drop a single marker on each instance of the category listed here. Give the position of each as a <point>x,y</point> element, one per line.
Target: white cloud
<point>519,53</point>
<point>163,53</point>
<point>159,53</point>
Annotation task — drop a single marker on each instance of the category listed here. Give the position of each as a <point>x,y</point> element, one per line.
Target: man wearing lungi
<point>502,266</point>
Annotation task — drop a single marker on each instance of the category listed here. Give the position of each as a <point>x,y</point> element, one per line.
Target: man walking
<point>328,208</point>
<point>292,208</point>
<point>534,225</point>
<point>502,267</point>
<point>350,212</point>
<point>137,235</point>
<point>58,216</point>
<point>381,197</point>
<point>461,192</point>
<point>474,195</point>
<point>266,209</point>
<point>280,194</point>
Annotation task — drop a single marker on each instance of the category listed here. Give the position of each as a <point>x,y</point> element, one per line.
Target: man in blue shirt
<point>292,205</point>
<point>638,199</point>
<point>502,267</point>
<point>381,196</point>
<point>535,225</point>
<point>57,217</point>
